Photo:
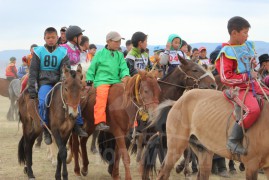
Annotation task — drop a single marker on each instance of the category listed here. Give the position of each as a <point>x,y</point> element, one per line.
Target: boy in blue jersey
<point>45,69</point>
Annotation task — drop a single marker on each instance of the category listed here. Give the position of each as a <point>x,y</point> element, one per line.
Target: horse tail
<point>149,155</point>
<point>21,151</point>
<point>159,121</point>
<point>106,146</point>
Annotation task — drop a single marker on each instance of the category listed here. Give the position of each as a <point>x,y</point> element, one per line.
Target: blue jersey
<point>50,61</point>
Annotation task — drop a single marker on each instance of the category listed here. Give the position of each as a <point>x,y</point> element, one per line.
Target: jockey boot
<point>234,144</point>
<point>102,127</point>
<point>79,131</point>
<point>47,136</point>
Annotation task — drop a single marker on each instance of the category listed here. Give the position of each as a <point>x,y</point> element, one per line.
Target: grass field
<point>10,134</point>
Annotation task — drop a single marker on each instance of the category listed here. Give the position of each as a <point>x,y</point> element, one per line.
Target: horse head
<point>195,75</point>
<point>71,89</point>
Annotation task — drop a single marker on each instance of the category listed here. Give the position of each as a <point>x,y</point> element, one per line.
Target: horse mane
<point>129,91</point>
<point>168,74</point>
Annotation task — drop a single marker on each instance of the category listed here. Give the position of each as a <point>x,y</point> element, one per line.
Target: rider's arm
<point>131,66</point>
<point>226,68</point>
<point>33,75</point>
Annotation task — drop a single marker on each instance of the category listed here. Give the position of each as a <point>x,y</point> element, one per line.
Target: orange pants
<point>100,104</point>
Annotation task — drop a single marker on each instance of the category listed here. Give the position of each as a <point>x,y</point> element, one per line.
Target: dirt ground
<point>10,134</point>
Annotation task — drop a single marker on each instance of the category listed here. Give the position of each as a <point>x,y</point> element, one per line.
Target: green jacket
<point>107,67</point>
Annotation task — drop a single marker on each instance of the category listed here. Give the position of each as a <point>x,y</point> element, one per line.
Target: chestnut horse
<point>203,116</point>
<point>4,87</point>
<point>63,110</point>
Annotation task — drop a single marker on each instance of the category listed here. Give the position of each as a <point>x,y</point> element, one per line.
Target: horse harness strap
<point>194,79</point>
<point>136,88</point>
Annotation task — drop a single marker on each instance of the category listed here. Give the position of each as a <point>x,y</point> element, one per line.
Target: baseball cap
<point>63,29</point>
<point>202,48</point>
<point>114,36</point>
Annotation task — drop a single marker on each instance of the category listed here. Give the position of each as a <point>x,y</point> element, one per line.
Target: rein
<point>52,93</point>
<point>186,78</point>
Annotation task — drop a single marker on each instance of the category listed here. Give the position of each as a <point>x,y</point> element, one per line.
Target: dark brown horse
<point>190,75</point>
<point>4,87</point>
<point>63,110</point>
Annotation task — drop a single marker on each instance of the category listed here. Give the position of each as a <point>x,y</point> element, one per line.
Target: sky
<point>23,21</point>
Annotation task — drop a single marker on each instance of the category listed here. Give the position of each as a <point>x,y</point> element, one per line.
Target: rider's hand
<point>168,46</point>
<point>254,74</point>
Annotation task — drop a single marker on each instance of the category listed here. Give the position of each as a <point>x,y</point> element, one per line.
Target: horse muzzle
<point>73,110</point>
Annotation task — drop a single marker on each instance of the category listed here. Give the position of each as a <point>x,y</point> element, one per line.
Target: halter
<point>138,97</point>
<point>186,78</point>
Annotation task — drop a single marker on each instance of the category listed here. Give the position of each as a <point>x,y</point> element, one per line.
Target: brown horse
<point>63,110</point>
<point>4,87</point>
<point>124,100</point>
<point>204,117</point>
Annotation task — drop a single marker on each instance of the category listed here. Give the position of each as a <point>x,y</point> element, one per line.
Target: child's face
<point>143,45</point>
<point>176,43</point>
<point>113,45</point>
<point>92,51</point>
<point>240,37</point>
<point>51,39</point>
<point>184,48</point>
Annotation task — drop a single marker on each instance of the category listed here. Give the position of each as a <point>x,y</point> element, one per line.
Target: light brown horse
<point>63,110</point>
<point>4,87</point>
<point>202,115</point>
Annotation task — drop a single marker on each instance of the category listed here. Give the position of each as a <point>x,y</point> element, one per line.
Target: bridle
<point>196,80</point>
<point>141,104</point>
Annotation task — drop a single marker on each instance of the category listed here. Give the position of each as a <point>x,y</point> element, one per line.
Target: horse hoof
<point>179,168</point>
<point>31,178</point>
<point>84,172</point>
<point>25,170</point>
<point>242,167</point>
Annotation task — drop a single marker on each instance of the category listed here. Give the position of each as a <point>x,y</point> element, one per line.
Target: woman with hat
<point>11,70</point>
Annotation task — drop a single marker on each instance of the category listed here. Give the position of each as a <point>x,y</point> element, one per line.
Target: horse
<point>14,92</point>
<point>4,87</point>
<point>63,110</point>
<point>187,76</point>
<point>203,117</point>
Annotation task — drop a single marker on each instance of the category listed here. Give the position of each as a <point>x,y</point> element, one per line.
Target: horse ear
<point>79,68</point>
<point>66,71</point>
<point>154,73</point>
<point>182,60</point>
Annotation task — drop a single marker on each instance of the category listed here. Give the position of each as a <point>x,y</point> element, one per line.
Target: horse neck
<point>170,91</point>
<point>130,95</point>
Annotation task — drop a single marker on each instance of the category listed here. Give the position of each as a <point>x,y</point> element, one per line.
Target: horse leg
<point>84,155</point>
<point>75,150</point>
<point>116,164</point>
<point>139,146</point>
<point>205,162</point>
<point>39,140</point>
<point>120,139</point>
<point>28,145</point>
<point>53,150</point>
<point>252,168</point>
<point>93,145</point>
<point>62,154</point>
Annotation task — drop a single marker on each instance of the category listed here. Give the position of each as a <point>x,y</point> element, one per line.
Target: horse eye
<point>194,70</point>
<point>65,89</point>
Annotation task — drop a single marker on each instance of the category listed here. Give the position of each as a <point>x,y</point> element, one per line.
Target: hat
<point>63,29</point>
<point>213,56</point>
<point>263,58</point>
<point>24,59</point>
<point>12,59</point>
<point>202,48</point>
<point>114,36</point>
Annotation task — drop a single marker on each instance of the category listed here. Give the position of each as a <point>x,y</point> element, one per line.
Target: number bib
<point>50,61</point>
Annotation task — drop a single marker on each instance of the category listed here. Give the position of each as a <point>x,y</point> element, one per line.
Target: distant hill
<point>261,48</point>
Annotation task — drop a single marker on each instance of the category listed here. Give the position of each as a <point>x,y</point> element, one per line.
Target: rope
<point>52,92</point>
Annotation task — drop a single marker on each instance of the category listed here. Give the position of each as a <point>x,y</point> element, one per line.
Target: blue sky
<point>24,21</point>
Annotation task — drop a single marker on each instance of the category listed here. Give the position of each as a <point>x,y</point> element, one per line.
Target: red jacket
<point>227,70</point>
<point>11,70</point>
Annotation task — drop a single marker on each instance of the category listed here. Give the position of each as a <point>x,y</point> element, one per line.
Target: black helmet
<point>72,32</point>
